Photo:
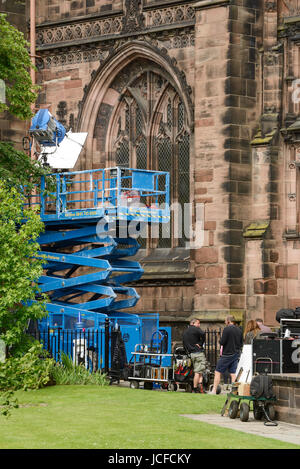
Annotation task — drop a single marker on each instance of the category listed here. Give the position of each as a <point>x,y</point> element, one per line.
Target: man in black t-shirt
<point>231,345</point>
<point>193,342</point>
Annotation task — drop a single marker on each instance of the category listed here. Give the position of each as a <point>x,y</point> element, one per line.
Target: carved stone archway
<point>118,59</point>
<point>168,146</point>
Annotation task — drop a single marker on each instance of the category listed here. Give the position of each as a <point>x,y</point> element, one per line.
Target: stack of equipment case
<point>273,356</point>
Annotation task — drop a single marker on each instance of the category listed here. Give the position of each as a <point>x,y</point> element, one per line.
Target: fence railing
<point>212,346</point>
<point>94,348</point>
<point>83,347</point>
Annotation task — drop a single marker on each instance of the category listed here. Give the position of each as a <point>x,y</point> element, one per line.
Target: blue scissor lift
<point>86,248</point>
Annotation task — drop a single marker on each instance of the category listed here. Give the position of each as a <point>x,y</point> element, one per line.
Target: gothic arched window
<point>150,131</point>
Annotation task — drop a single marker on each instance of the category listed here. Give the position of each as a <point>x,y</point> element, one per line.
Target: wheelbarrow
<point>236,405</point>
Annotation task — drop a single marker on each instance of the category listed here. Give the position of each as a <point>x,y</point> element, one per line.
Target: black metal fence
<point>90,348</point>
<point>212,346</point>
<point>102,349</point>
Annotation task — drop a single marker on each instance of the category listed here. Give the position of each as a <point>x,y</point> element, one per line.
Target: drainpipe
<point>32,38</point>
<point>32,53</point>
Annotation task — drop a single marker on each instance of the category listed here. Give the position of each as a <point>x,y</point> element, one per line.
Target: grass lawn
<point>81,417</point>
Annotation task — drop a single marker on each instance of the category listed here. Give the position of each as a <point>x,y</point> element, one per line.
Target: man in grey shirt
<point>261,325</point>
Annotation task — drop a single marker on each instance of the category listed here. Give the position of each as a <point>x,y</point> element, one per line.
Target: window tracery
<point>150,131</point>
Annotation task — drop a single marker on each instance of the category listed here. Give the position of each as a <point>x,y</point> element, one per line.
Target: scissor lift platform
<point>88,239</point>
<point>111,193</point>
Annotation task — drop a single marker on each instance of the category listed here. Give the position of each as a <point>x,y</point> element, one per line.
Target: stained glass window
<point>152,133</point>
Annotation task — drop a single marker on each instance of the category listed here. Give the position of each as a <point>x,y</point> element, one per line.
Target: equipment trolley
<point>236,405</point>
<point>151,367</point>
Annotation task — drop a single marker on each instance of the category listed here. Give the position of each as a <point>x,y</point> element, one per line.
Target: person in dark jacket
<point>193,342</point>
<point>231,345</point>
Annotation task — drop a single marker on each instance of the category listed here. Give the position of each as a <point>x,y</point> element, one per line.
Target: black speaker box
<point>273,356</point>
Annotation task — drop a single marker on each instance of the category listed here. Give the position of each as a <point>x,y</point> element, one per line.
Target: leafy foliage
<point>20,298</point>
<point>31,371</point>
<point>8,402</point>
<point>18,170</point>
<point>19,269</point>
<point>68,373</point>
<point>19,228</point>
<point>15,64</point>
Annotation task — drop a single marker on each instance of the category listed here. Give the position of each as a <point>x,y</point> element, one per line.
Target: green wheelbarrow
<point>236,405</point>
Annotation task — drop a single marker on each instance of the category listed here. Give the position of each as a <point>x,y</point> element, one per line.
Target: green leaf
<point>15,65</point>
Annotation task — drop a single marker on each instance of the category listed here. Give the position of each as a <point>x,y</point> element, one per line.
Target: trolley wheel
<point>188,388</point>
<point>257,411</point>
<point>233,409</point>
<point>148,385</point>
<point>134,384</point>
<point>270,409</point>
<point>244,412</point>
<point>219,389</point>
<point>172,387</point>
<point>126,374</point>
